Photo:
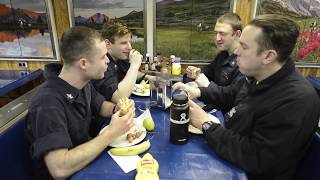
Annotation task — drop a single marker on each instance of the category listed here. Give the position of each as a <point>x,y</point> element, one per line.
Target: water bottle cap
<point>180,99</point>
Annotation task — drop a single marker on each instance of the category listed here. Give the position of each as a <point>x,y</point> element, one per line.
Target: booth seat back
<point>310,167</point>
<point>15,162</point>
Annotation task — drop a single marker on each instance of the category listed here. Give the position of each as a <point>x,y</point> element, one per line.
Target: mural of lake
<point>30,43</point>
<point>25,31</point>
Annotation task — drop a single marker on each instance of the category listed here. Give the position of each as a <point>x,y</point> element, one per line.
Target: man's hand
<point>197,115</point>
<point>150,78</point>
<point>135,58</point>
<point>132,105</point>
<point>194,92</point>
<point>202,80</point>
<point>192,84</point>
<point>192,72</point>
<point>120,125</point>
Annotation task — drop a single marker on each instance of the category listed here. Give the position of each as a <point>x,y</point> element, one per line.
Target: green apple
<point>148,123</point>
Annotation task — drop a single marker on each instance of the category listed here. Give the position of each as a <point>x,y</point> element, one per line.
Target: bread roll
<point>124,105</point>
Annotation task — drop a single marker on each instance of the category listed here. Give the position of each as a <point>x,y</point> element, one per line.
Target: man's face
<point>225,36</point>
<point>121,47</point>
<point>98,64</point>
<point>249,62</point>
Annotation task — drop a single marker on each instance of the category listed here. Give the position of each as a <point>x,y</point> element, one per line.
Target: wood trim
<point>61,15</point>
<point>32,66</point>
<point>244,9</point>
<point>307,71</point>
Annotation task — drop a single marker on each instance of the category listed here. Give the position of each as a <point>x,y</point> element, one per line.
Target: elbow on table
<point>58,173</point>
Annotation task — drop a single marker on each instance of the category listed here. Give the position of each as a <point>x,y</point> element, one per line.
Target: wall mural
<point>25,30</point>
<point>94,14</point>
<point>307,14</point>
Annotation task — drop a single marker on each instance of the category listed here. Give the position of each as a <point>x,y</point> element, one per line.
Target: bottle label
<point>183,119</point>
<point>176,69</point>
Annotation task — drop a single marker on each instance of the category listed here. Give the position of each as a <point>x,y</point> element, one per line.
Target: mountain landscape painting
<point>307,14</point>
<point>25,30</point>
<point>94,14</point>
<point>185,28</point>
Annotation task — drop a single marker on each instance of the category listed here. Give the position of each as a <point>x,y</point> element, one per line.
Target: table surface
<point>194,160</point>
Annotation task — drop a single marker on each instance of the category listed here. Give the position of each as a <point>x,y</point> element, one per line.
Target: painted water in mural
<point>307,14</point>
<point>24,31</point>
<point>25,43</point>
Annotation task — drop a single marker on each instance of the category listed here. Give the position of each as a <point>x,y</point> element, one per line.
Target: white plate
<point>122,140</point>
<point>138,86</point>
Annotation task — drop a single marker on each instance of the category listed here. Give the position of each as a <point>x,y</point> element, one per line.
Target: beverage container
<point>146,65</point>
<point>157,64</point>
<point>179,119</point>
<point>176,66</point>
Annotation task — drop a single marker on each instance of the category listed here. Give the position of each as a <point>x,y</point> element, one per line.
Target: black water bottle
<point>179,119</point>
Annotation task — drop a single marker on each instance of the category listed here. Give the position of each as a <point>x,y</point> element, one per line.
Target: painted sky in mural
<point>111,8</point>
<point>305,7</point>
<point>34,5</point>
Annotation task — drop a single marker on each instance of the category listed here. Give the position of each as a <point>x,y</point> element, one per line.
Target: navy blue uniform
<point>60,116</point>
<point>115,73</point>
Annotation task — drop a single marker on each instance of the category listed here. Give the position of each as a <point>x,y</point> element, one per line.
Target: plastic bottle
<point>146,65</point>
<point>179,119</point>
<point>147,168</point>
<point>176,66</point>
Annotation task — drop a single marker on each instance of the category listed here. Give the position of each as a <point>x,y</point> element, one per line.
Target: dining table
<point>193,160</point>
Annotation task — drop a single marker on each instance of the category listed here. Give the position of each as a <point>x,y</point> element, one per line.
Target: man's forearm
<point>62,163</point>
<point>106,109</point>
<point>126,86</point>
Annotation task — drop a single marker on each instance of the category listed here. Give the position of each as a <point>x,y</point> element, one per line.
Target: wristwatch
<point>207,125</point>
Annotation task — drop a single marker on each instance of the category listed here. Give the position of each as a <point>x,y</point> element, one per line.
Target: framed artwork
<point>307,14</point>
<point>94,14</point>
<point>27,31</point>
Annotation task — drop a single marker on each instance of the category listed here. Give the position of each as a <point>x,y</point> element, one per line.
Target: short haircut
<point>231,18</point>
<point>278,33</point>
<point>78,42</point>
<point>117,29</point>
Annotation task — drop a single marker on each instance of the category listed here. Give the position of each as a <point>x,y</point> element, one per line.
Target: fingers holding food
<point>124,104</point>
<point>195,72</point>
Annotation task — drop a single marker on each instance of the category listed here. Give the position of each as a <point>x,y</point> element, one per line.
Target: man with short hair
<point>123,70</point>
<point>60,116</point>
<point>271,119</point>
<point>223,70</point>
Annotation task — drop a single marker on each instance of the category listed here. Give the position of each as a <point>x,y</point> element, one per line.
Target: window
<point>185,27</point>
